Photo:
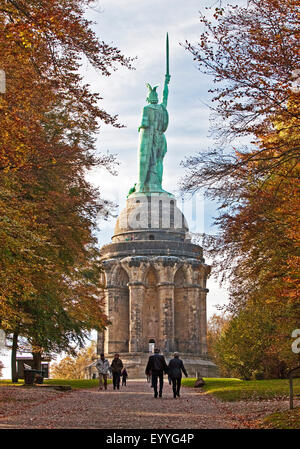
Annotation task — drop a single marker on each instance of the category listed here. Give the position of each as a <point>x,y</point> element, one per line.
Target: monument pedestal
<point>136,362</point>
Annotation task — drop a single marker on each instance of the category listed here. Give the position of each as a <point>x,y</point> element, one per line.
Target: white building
<point>4,357</point>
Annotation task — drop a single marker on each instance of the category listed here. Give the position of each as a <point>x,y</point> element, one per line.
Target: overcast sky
<point>138,28</point>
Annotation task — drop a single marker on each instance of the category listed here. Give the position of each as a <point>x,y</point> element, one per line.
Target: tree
<point>253,52</point>
<point>48,123</point>
<point>42,46</point>
<point>216,325</point>
<point>254,344</point>
<point>73,367</point>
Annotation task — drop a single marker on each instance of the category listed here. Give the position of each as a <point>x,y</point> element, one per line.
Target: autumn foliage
<point>253,52</point>
<point>49,268</point>
<point>73,367</point>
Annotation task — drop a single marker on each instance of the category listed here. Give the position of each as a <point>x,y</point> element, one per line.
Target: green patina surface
<point>152,141</point>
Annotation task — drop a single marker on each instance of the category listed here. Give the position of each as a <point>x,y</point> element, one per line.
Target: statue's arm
<point>145,119</point>
<point>166,91</point>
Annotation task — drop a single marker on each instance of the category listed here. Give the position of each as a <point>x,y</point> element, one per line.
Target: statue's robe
<point>152,147</point>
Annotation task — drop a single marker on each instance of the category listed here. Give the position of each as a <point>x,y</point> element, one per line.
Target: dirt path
<point>133,407</point>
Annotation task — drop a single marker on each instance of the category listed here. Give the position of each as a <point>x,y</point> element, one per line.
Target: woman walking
<point>175,370</point>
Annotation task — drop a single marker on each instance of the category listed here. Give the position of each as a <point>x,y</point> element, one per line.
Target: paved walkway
<point>133,407</point>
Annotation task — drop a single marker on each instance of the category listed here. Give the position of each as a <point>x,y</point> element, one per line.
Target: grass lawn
<point>237,390</point>
<point>74,383</point>
<point>8,382</point>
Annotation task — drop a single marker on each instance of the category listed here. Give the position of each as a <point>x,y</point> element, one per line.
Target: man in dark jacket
<point>175,370</point>
<point>156,367</point>
<point>116,368</point>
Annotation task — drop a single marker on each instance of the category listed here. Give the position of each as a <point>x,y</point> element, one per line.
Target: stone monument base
<point>135,364</point>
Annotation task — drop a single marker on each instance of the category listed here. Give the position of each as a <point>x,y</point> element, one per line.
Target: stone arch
<point>150,312</point>
<point>118,276</point>
<point>181,309</point>
<point>119,312</point>
<point>150,272</point>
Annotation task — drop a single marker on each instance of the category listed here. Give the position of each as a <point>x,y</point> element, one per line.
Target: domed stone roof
<point>151,217</point>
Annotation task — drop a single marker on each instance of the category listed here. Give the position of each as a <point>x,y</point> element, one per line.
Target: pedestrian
<point>116,368</point>
<point>175,369</point>
<point>103,369</point>
<point>157,366</point>
<point>124,375</point>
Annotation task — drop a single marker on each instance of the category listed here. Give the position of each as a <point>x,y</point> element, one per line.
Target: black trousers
<point>116,380</point>
<point>155,376</point>
<point>176,384</point>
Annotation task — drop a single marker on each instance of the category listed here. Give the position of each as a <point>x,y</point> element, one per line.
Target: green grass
<point>74,383</point>
<point>289,419</point>
<point>8,382</point>
<point>238,390</point>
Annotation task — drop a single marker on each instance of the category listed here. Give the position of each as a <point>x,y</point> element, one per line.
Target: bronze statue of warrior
<point>152,142</point>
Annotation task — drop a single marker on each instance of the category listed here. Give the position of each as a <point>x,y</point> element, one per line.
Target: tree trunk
<point>14,372</point>
<point>37,359</point>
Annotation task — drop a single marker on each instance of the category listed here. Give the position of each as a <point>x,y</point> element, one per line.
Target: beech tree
<point>252,54</point>
<point>42,47</point>
<point>49,290</point>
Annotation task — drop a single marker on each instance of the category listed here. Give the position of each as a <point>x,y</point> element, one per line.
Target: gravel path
<point>133,407</point>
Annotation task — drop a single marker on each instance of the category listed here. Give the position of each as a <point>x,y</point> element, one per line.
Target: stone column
<point>116,336</point>
<point>102,336</point>
<point>112,341</point>
<point>203,320</point>
<point>105,333</point>
<point>166,316</point>
<point>136,296</point>
<point>194,318</point>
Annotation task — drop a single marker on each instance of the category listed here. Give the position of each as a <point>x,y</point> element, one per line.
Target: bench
<point>33,376</point>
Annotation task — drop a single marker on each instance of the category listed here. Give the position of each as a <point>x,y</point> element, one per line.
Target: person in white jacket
<point>103,367</point>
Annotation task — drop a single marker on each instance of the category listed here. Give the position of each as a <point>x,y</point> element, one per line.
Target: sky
<point>138,28</point>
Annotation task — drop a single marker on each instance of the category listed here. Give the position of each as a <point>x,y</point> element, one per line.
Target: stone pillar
<point>100,342</point>
<point>194,318</point>
<point>105,333</point>
<point>136,296</point>
<point>102,336</point>
<point>166,316</point>
<point>117,335</point>
<point>203,320</point>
